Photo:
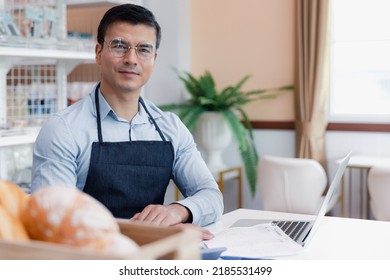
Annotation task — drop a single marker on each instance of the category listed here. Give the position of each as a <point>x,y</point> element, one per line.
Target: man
<point>120,148</point>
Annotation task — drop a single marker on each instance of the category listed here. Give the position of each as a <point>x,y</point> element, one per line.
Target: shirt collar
<point>105,110</point>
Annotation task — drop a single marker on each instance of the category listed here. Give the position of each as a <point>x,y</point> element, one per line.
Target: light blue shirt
<point>63,148</point>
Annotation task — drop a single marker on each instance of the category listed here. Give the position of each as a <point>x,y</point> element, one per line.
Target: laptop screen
<point>329,195</point>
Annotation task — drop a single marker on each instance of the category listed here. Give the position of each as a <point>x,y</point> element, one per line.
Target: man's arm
<point>53,157</point>
<point>195,181</point>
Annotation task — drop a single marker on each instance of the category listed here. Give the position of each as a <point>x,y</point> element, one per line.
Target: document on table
<point>259,241</point>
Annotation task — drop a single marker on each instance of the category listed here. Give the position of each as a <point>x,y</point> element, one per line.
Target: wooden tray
<point>155,242</point>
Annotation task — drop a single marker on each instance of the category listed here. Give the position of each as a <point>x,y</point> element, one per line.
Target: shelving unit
<point>61,61</point>
<point>28,61</point>
<point>28,55</point>
<point>29,52</point>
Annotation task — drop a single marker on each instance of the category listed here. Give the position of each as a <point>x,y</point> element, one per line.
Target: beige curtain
<point>312,78</point>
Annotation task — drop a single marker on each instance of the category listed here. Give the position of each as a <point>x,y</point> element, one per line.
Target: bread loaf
<point>10,227</point>
<point>66,215</point>
<point>12,198</point>
<point>12,201</point>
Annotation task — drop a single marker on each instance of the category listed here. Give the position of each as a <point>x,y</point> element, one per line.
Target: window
<point>360,61</point>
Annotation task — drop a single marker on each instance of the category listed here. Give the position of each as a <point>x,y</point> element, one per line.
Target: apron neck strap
<point>151,118</point>
<point>98,120</point>
<point>99,126</point>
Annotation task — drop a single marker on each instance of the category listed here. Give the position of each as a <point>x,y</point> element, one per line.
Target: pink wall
<point>234,38</point>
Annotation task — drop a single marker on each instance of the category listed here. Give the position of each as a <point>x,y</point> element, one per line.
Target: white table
<point>337,238</point>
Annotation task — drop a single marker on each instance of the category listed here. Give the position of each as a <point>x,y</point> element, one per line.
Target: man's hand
<point>169,215</point>
<point>205,234</point>
<point>162,215</point>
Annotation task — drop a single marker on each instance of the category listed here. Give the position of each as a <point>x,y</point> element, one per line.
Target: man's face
<point>129,73</point>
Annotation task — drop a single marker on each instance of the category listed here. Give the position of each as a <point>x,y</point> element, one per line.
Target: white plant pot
<point>213,135</point>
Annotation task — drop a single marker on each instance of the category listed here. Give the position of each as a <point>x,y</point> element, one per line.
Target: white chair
<point>379,190</point>
<point>292,185</point>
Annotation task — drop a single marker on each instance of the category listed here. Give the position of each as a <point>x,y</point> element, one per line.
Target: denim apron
<point>127,176</point>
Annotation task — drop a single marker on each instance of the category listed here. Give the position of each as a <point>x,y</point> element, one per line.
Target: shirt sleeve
<point>195,181</point>
<point>54,156</point>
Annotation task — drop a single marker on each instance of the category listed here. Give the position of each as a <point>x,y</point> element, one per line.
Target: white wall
<point>174,52</point>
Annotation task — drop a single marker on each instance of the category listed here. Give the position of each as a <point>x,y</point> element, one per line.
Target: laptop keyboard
<point>292,228</point>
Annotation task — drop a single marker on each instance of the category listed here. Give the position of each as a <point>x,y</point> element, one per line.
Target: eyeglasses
<point>119,47</point>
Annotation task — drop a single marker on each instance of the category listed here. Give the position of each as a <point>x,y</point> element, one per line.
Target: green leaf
<point>246,146</point>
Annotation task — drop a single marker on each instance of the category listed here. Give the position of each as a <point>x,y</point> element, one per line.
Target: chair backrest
<point>291,184</point>
<point>379,190</point>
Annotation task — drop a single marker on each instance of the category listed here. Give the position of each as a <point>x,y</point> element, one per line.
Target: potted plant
<point>204,97</point>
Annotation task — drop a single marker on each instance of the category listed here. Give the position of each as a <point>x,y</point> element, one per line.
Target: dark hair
<point>130,13</point>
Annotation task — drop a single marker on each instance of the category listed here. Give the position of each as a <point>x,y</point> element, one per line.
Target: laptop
<point>302,232</point>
